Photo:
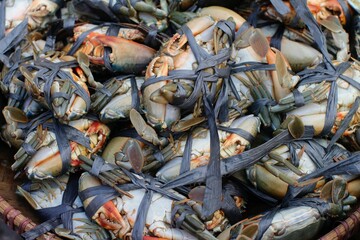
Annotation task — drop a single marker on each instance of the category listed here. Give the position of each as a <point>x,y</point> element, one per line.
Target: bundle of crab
<point>180,119</point>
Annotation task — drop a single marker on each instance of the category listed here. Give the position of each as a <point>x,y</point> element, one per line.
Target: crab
<point>163,97</point>
<point>45,160</point>
<point>38,13</point>
<point>298,221</point>
<point>320,9</point>
<point>276,171</point>
<point>119,214</point>
<point>115,100</point>
<point>66,93</point>
<point>157,14</point>
<point>316,95</point>
<point>49,194</point>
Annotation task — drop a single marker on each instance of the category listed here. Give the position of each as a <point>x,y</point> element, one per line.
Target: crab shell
<point>294,223</point>
<point>47,162</point>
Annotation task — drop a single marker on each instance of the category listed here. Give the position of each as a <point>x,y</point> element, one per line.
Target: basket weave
<point>18,222</point>
<point>346,228</point>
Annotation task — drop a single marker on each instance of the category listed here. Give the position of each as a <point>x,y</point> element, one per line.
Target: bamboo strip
<point>20,219</point>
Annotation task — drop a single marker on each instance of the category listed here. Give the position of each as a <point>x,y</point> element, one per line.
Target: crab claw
<point>333,6</point>
<point>172,93</point>
<point>11,133</point>
<point>219,13</point>
<point>127,56</point>
<point>98,133</point>
<point>142,128</point>
<point>108,215</point>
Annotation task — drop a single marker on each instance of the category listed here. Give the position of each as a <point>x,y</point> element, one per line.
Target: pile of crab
<point>183,119</point>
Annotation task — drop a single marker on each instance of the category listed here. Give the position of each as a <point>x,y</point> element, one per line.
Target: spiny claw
<point>142,128</point>
<point>127,56</point>
<point>98,134</point>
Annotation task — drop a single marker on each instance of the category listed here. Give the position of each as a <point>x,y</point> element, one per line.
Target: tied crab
<point>251,53</point>
<point>128,54</point>
<point>284,165</point>
<point>115,100</point>
<point>320,9</point>
<point>235,136</point>
<point>164,99</point>
<point>12,81</point>
<point>38,12</point>
<point>337,43</point>
<point>301,218</point>
<point>46,194</point>
<point>119,214</point>
<point>312,110</point>
<point>158,14</point>
<point>41,156</point>
<point>65,91</point>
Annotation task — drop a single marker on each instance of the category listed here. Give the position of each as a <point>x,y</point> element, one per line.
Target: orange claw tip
<point>127,56</point>
<point>110,217</point>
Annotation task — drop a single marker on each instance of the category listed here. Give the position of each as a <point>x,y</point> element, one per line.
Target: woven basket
<point>20,217</point>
